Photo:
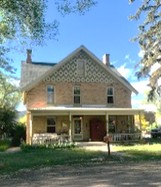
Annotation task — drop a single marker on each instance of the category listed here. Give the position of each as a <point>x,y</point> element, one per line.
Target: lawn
<point>43,157</point>
<point>30,158</point>
<point>140,152</point>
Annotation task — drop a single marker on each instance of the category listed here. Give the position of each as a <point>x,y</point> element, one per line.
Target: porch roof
<point>85,111</point>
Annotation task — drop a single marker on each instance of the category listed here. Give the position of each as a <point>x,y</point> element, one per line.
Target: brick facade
<point>91,94</point>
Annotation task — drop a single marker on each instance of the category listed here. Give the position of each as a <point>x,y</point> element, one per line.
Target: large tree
<point>21,20</point>
<point>24,20</point>
<point>149,38</point>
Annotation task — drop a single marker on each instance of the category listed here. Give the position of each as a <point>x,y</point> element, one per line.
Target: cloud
<point>141,53</point>
<point>141,86</point>
<point>125,72</point>
<point>154,67</point>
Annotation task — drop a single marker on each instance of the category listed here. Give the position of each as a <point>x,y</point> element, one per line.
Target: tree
<point>149,38</point>
<point>21,20</point>
<point>7,122</point>
<point>80,6</point>
<point>9,95</point>
<point>24,20</point>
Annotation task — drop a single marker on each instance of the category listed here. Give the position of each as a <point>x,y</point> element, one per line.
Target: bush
<point>19,135</point>
<point>4,144</point>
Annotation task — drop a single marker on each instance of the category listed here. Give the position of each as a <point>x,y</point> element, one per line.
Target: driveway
<point>107,175</point>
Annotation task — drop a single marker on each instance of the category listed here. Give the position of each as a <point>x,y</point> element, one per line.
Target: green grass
<point>4,145</point>
<point>140,152</point>
<point>36,157</point>
<point>42,157</point>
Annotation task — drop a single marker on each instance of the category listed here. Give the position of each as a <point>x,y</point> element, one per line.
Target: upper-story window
<point>110,95</point>
<point>77,95</point>
<point>50,94</point>
<point>81,67</point>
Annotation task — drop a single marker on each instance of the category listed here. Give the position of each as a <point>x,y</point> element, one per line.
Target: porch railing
<point>49,138</point>
<point>123,137</point>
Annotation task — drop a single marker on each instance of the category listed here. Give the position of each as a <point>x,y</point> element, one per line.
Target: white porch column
<point>30,132</point>
<point>140,123</point>
<point>70,127</point>
<point>107,124</point>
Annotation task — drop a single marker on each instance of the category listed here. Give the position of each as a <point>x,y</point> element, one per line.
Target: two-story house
<point>82,96</point>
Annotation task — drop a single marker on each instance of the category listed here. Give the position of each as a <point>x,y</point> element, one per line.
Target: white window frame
<point>50,95</point>
<point>76,95</point>
<point>110,95</point>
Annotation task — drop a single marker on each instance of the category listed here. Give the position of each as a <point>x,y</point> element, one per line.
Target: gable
<point>91,71</point>
<point>95,71</point>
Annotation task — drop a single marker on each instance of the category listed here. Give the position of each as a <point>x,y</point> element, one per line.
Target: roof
<point>51,69</point>
<point>85,111</point>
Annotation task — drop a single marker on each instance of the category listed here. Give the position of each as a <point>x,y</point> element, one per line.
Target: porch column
<point>70,127</point>
<point>107,124</point>
<point>30,129</point>
<point>140,123</point>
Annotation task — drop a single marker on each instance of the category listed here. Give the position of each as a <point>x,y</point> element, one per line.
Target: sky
<point>106,28</point>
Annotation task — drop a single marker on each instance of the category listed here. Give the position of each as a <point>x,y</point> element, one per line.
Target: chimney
<point>106,59</point>
<point>28,59</point>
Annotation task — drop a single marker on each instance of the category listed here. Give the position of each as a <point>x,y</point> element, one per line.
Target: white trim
<point>80,135</point>
<point>113,95</point>
<point>84,111</point>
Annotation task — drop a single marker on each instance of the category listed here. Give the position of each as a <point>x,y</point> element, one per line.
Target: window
<point>50,94</point>
<point>76,95</point>
<point>51,125</point>
<point>80,68</point>
<point>110,95</point>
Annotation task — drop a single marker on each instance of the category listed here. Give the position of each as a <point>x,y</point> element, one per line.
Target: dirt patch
<point>109,174</point>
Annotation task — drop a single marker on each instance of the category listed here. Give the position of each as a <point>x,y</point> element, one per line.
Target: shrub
<point>4,144</point>
<point>19,135</point>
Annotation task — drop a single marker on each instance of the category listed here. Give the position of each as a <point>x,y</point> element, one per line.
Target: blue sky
<point>106,28</point>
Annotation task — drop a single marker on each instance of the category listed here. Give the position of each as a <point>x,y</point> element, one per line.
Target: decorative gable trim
<point>51,73</point>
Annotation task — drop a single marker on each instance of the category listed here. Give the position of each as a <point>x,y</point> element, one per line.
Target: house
<point>81,97</point>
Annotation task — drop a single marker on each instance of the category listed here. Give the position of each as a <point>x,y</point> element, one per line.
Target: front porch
<point>49,138</point>
<point>82,124</point>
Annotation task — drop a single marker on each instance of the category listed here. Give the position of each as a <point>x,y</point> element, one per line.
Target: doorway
<point>97,130</point>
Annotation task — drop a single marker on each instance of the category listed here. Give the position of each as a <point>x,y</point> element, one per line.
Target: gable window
<point>51,125</point>
<point>50,94</point>
<point>110,95</point>
<point>81,68</point>
<point>76,95</point>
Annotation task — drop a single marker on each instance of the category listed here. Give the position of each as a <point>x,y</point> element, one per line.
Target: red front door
<point>97,130</point>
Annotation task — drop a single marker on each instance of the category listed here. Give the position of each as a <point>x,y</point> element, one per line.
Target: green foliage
<point>64,145</point>
<point>25,18</point>
<point>9,95</point>
<point>19,135</point>
<point>4,145</point>
<point>149,39</point>
<point>68,6</point>
<point>23,21</point>
<point>7,122</point>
